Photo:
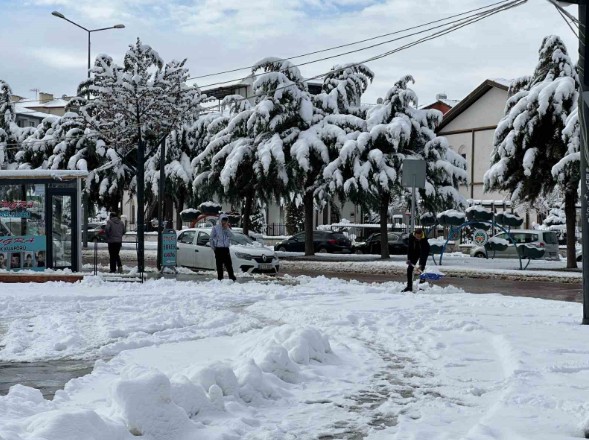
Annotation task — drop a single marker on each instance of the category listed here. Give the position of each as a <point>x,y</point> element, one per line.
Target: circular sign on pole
<point>480,237</point>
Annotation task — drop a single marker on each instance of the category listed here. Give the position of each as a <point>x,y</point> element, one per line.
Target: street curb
<point>335,267</point>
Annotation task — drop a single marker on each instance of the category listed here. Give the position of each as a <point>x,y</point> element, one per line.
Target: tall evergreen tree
<point>226,167</point>
<point>139,102</point>
<point>335,122</point>
<point>397,130</point>
<point>39,145</point>
<point>249,157</point>
<point>529,140</point>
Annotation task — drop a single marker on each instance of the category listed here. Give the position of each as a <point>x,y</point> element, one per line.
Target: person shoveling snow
<point>417,251</point>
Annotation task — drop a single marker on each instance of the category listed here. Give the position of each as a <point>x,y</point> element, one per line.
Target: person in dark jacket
<point>417,252</point>
<point>114,231</point>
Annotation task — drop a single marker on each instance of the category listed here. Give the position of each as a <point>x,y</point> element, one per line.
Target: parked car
<point>323,241</point>
<point>546,240</point>
<point>195,252</point>
<point>398,244</point>
<point>96,232</point>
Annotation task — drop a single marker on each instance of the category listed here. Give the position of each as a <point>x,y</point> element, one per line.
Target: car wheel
<point>580,258</point>
<point>322,250</point>
<point>282,249</point>
<point>358,251</point>
<point>480,255</point>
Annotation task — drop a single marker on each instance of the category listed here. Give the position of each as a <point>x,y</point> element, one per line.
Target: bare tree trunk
<point>246,215</point>
<point>383,211</point>
<point>179,208</point>
<point>168,211</point>
<point>308,205</point>
<point>570,211</point>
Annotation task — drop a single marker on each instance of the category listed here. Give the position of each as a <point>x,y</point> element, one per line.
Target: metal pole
<point>85,195</point>
<point>140,206</point>
<point>584,147</point>
<point>88,56</point>
<point>413,203</point>
<point>160,202</point>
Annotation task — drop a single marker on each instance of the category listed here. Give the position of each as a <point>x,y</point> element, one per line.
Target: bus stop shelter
<point>40,219</point>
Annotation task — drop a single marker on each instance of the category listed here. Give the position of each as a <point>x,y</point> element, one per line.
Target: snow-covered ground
<point>302,358</point>
<point>453,263</point>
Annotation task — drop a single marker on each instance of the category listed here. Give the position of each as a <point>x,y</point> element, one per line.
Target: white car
<point>195,252</point>
<point>540,239</point>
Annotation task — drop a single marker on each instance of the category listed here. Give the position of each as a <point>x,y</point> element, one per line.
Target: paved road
<point>570,291</point>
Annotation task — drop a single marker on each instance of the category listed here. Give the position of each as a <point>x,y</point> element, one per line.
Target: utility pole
<point>160,203</point>
<point>85,194</point>
<point>583,146</point>
<point>140,202</point>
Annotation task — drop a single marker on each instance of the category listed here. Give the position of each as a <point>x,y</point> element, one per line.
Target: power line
<point>237,69</point>
<point>455,27</point>
<point>337,47</point>
<point>567,22</point>
<point>449,24</point>
<point>471,20</point>
<point>565,12</point>
<point>502,2</point>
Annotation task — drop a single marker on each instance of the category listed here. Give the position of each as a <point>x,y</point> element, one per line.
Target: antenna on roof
<point>36,93</point>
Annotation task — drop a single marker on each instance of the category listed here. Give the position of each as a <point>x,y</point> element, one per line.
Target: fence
<point>273,229</point>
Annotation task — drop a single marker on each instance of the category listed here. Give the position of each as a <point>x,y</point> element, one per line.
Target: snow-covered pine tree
<point>141,101</point>
<point>445,169</point>
<point>225,169</point>
<point>555,217</point>
<point>38,146</point>
<point>250,155</point>
<point>283,109</point>
<point>529,140</point>
<point>9,131</point>
<point>75,145</point>
<point>567,172</point>
<point>336,121</point>
<point>397,130</point>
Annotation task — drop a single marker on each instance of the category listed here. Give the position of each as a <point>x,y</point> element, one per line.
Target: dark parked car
<point>397,244</point>
<point>96,232</point>
<point>323,241</point>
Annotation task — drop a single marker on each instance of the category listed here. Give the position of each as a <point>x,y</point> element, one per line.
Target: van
<point>547,240</point>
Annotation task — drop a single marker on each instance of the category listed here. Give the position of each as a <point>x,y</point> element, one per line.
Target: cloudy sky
<point>40,51</point>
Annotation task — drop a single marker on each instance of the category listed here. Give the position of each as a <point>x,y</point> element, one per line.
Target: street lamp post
<point>89,32</point>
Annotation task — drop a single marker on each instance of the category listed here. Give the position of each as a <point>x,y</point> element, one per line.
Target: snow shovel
<point>429,275</point>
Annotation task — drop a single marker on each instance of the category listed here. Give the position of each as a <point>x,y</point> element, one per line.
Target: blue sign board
<point>15,213</point>
<point>169,243</point>
<point>25,252</point>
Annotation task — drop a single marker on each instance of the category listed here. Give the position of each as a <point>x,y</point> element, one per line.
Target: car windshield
<point>338,235</point>
<point>239,238</point>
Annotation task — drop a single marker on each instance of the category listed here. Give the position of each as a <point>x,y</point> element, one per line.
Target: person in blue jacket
<point>220,241</point>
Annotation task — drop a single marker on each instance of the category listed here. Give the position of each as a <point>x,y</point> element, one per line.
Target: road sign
<point>413,173</point>
<point>169,243</point>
